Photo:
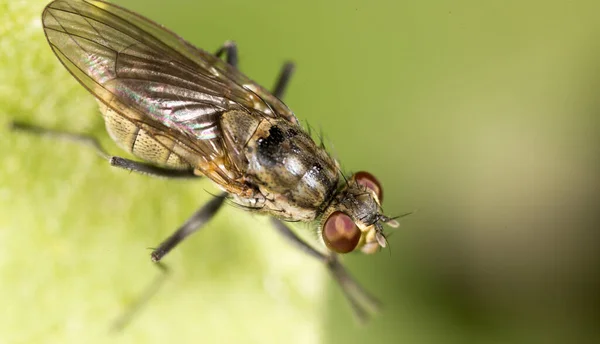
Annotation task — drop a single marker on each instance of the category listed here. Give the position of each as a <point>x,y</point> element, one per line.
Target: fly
<point>186,113</point>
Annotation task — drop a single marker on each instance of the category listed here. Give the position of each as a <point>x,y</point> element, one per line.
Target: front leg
<point>360,300</point>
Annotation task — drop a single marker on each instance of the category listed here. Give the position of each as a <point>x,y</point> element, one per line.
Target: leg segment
<point>283,80</point>
<point>360,300</point>
<point>192,225</point>
<point>130,165</point>
<point>229,48</point>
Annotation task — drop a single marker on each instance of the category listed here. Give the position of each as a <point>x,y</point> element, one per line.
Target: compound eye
<point>370,182</point>
<point>340,233</point>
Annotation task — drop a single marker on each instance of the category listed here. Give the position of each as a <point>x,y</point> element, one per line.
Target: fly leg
<point>130,165</point>
<point>192,225</point>
<point>229,48</point>
<point>197,220</point>
<point>283,80</point>
<point>360,300</point>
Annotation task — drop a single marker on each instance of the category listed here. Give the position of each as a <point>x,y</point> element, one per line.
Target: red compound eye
<point>340,233</point>
<point>370,182</point>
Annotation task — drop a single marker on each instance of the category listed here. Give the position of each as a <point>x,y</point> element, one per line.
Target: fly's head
<point>354,219</point>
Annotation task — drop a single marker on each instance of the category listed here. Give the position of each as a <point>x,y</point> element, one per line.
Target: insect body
<point>188,113</point>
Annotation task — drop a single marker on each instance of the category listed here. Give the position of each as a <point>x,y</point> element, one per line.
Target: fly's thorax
<point>296,177</point>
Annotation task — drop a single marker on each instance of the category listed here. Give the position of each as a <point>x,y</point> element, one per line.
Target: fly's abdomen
<point>135,139</point>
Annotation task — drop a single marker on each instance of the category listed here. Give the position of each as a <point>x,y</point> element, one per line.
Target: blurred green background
<point>482,115</point>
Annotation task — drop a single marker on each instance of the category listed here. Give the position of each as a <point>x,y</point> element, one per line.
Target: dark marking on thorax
<point>272,149</point>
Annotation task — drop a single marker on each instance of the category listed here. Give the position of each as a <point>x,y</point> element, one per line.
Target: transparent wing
<point>147,73</point>
<point>79,28</point>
